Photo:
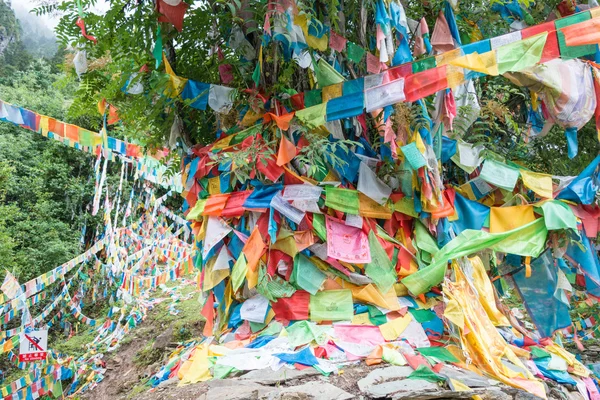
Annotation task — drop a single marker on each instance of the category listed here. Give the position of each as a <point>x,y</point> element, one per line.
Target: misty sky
<point>21,6</point>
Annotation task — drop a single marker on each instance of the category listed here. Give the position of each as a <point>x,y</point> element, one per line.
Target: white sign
<point>33,346</point>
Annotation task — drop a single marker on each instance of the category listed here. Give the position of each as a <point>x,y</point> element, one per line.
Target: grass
<point>188,323</point>
<point>76,345</point>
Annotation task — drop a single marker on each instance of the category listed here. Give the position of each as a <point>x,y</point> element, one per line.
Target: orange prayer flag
<point>253,249</point>
<point>287,151</point>
<point>282,121</point>
<point>376,356</point>
<point>583,33</point>
<point>216,204</point>
<point>72,133</point>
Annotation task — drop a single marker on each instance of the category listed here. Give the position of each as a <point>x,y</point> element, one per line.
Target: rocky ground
<point>149,345</point>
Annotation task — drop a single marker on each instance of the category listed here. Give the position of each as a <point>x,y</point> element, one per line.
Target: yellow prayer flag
<point>361,319</point>
<point>504,219</point>
<point>541,184</point>
<point>485,63</point>
<point>445,58</point>
<point>196,369</point>
<point>44,125</point>
<point>214,185</point>
<point>332,91</point>
<point>458,386</point>
<point>391,330</point>
<point>176,83</point>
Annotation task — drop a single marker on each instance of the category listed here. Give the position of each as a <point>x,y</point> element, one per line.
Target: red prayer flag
<point>234,205</point>
<point>172,14</point>
<point>297,101</point>
<point>551,49</point>
<point>272,171</point>
<point>226,73</point>
<point>426,83</point>
<point>294,308</point>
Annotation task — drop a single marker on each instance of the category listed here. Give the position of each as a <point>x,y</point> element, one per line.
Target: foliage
<point>128,31</point>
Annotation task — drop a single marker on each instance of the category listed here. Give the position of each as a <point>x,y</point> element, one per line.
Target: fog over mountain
<point>37,35</point>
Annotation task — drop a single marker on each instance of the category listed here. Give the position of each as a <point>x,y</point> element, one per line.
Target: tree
<point>230,34</point>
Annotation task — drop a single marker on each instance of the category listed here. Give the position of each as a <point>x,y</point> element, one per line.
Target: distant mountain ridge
<point>10,30</point>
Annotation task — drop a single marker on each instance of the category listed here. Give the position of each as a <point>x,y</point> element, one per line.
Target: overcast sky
<point>26,5</point>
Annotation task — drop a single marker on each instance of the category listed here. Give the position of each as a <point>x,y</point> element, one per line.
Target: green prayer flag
<point>423,239</point>
<point>246,133</point>
<point>86,138</point>
<point>440,353</point>
<point>332,305</point>
<point>422,316</point>
<point>57,389</point>
<point>158,48</point>
<point>313,97</point>
<point>314,116</point>
<point>499,174</point>
<point>392,356</point>
<point>222,371</point>
<point>570,52</point>
<point>406,205</point>
<point>355,52</point>
<point>423,372</point>
<point>273,328</point>
<point>304,332</point>
<point>380,269</point>
<point>423,65</point>
<point>257,326</point>
<point>327,75</point>
<point>521,54</point>
<point>256,74</point>
<point>306,275</point>
<point>196,212</point>
<point>238,273</point>
<point>273,287</point>
<point>526,240</point>
<point>558,215</point>
<point>537,352</point>
<point>319,226</point>
<point>345,200</point>
<point>376,316</point>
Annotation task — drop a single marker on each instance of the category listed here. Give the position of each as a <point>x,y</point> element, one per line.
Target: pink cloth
<point>591,388</point>
<point>337,42</point>
<point>347,243</point>
<point>373,64</point>
<point>363,334</point>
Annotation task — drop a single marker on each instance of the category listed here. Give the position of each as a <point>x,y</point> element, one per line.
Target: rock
<point>469,378</point>
<point>383,374</point>
<point>522,395</point>
<point>310,390</point>
<point>169,382</point>
<point>234,389</point>
<point>270,377</point>
<point>493,393</point>
<point>163,339</point>
<point>389,381</point>
<point>403,389</point>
